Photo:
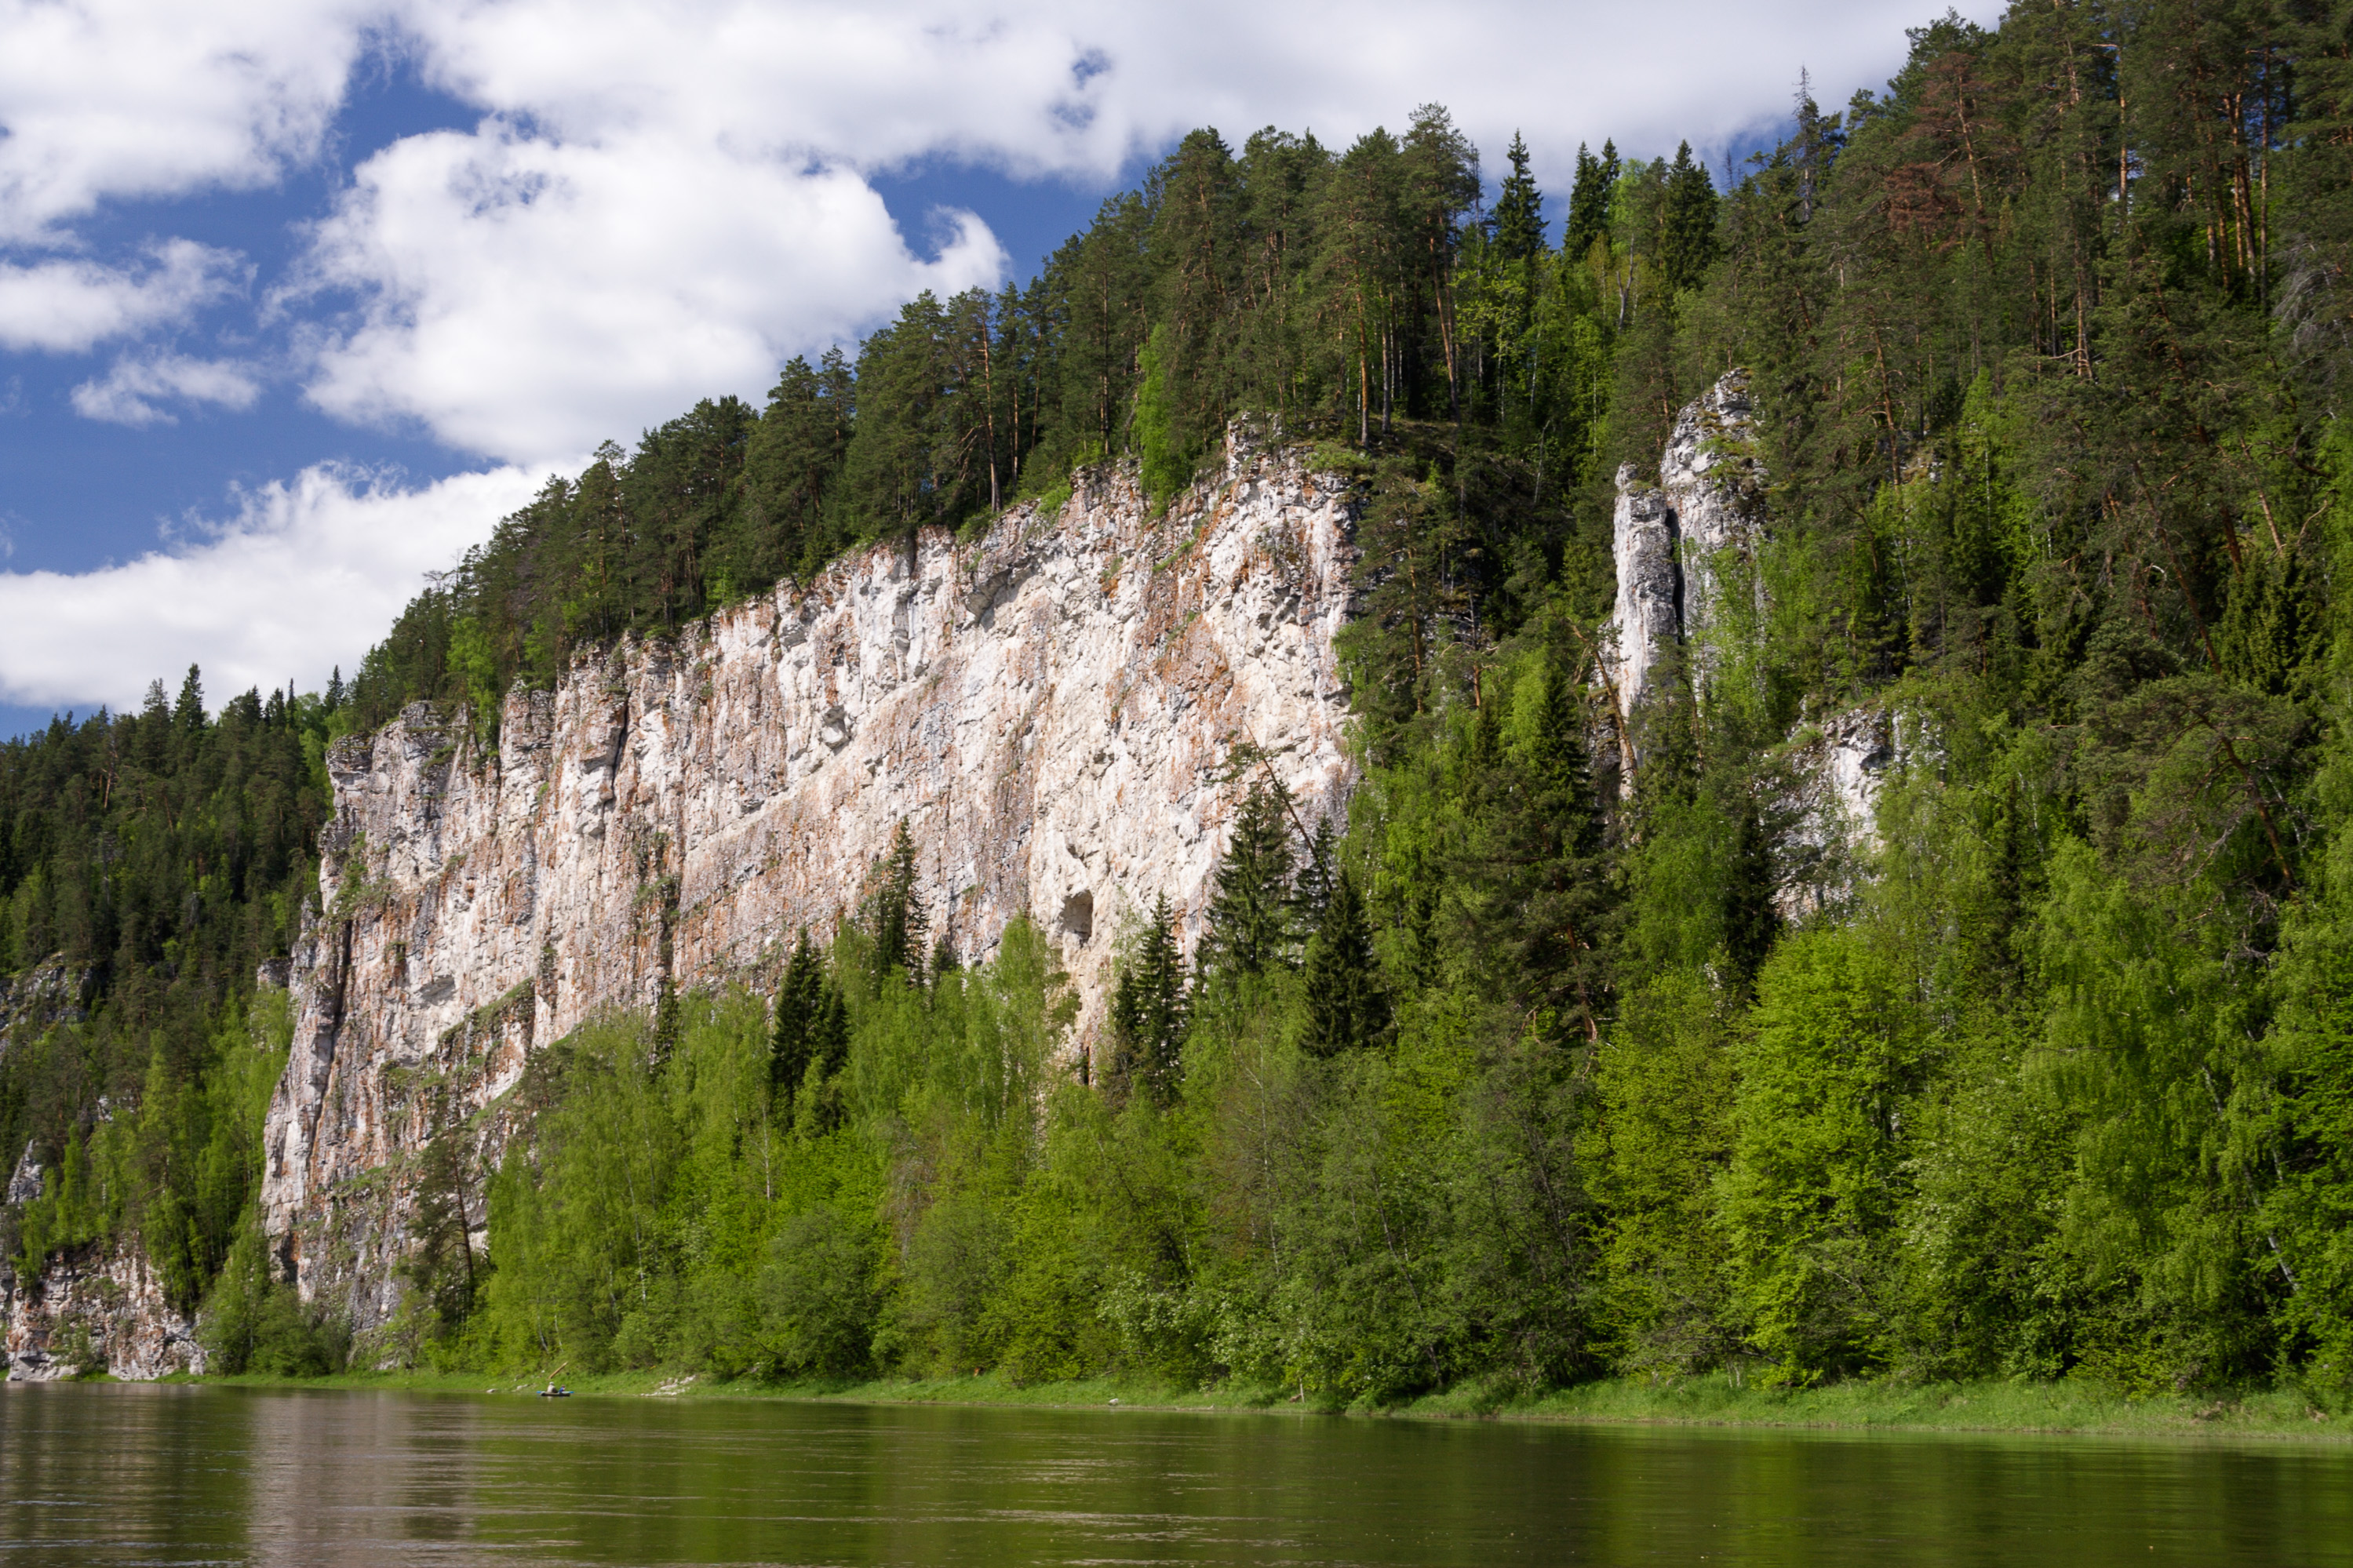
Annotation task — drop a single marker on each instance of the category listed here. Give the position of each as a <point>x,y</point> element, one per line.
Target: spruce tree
<point>1314,893</point>
<point>1532,887</point>
<point>895,914</point>
<point>1519,223</point>
<point>1750,919</point>
<point>829,1030</point>
<point>799,997</point>
<point>1148,1015</point>
<point>1347,1007</point>
<point>1687,249</point>
<point>1250,913</point>
<point>189,714</point>
<point>1589,201</point>
<point>1816,145</point>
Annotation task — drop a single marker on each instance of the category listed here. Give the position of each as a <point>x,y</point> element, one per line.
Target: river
<point>150,1475</point>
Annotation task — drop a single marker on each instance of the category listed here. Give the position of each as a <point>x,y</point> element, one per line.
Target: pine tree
<point>1347,1007</point>
<point>1250,913</point>
<point>1148,1015</point>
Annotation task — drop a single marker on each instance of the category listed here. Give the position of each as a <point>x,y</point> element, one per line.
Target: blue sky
<point>296,298</point>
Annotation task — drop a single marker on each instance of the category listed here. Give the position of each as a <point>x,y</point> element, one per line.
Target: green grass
<point>2066,1406</point>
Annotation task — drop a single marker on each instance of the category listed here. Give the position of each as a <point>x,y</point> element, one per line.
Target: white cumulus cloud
<point>68,305</point>
<point>306,575</point>
<point>155,98</point>
<point>523,296</point>
<point>131,390</point>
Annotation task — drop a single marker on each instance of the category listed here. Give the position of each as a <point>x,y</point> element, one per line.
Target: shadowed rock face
<point>1053,710</point>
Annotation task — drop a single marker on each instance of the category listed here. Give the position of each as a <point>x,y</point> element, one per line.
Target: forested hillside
<point>150,862</point>
<point>1537,1068</point>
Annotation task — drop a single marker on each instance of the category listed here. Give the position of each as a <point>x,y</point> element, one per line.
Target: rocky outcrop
<point>32,1001</point>
<point>1065,712</point>
<point>96,1309</point>
<point>1826,807</point>
<point>1677,543</point>
<point>1685,549</point>
<point>24,1182</point>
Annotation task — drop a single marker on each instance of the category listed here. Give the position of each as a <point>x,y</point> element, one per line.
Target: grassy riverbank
<point>1991,1406</point>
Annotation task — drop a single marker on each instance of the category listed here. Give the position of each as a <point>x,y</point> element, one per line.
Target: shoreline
<point>1984,1408</point>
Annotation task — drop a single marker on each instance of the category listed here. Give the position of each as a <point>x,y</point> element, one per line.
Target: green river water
<point>120,1474</point>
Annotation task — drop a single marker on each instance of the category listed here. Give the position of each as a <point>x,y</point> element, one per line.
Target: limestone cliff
<point>1674,542</point>
<point>97,1308</point>
<point>1682,548</point>
<point>1066,711</point>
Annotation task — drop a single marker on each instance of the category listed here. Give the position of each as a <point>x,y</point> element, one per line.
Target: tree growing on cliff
<point>1148,1013</point>
<point>1250,927</point>
<point>442,1270</point>
<point>895,917</point>
<point>801,1004</point>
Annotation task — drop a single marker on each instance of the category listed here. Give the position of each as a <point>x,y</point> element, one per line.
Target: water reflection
<point>120,1474</point>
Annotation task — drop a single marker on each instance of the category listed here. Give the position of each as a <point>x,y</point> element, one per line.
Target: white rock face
<point>34,1000</point>
<point>94,1306</point>
<point>26,1182</point>
<point>1670,542</point>
<point>1648,614</point>
<point>1829,805</point>
<point>1679,548</point>
<point>1714,487</point>
<point>1054,710</point>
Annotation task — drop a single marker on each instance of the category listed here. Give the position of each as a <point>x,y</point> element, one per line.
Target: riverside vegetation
<point>1534,1070</point>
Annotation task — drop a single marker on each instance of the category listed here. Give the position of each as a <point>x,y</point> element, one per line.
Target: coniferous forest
<point>1529,1071</point>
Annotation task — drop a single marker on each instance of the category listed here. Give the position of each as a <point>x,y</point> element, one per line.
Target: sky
<point>298,299</point>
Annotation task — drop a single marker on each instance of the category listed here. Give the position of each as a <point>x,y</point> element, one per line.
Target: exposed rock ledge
<point>1055,709</point>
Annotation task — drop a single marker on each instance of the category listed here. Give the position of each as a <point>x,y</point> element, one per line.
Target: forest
<point>1536,1068</point>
